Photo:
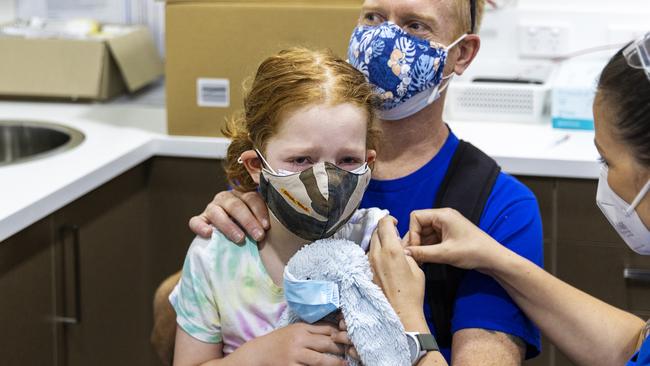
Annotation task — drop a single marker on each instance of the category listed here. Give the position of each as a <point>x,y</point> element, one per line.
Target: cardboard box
<point>573,93</point>
<point>84,69</point>
<point>213,46</point>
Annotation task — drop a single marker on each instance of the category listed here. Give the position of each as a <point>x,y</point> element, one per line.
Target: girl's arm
<point>587,330</point>
<point>296,344</point>
<point>190,351</point>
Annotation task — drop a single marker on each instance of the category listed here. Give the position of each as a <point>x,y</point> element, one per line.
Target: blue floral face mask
<point>405,70</point>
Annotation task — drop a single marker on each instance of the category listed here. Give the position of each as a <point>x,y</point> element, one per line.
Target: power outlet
<point>542,40</point>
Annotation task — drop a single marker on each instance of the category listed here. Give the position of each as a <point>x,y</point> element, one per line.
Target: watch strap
<point>427,342</point>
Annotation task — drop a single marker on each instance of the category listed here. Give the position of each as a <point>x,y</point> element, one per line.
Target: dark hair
<point>627,91</point>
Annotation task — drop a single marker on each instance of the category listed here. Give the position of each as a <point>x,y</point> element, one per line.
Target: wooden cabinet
<point>77,286</point>
<point>27,297</point>
<point>109,227</point>
<point>582,249</point>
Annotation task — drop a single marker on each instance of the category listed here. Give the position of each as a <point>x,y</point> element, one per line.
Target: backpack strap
<point>466,188</point>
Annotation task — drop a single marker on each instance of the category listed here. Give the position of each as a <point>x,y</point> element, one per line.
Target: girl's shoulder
<point>218,242</point>
<point>361,225</point>
<point>214,249</point>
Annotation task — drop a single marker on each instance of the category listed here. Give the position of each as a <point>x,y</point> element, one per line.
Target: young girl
<point>305,139</point>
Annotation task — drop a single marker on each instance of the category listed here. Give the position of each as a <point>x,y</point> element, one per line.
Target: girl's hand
<point>398,275</point>
<point>445,236</point>
<point>341,337</point>
<point>297,344</point>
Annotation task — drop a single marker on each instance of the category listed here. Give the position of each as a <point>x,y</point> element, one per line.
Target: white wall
<point>588,23</point>
<point>7,10</point>
<point>584,23</point>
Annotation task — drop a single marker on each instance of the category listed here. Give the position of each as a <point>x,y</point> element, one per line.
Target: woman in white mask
<point>587,330</point>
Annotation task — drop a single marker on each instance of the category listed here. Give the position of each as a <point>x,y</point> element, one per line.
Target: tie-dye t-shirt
<point>225,294</point>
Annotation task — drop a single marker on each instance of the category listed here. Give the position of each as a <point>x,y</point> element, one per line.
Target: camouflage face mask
<point>316,202</point>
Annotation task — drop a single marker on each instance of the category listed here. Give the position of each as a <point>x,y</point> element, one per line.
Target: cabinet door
<point>592,256</point>
<point>27,297</point>
<point>115,311</point>
<point>174,198</point>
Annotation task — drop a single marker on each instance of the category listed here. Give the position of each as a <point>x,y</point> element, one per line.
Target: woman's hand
<point>229,208</point>
<point>398,275</point>
<point>445,236</point>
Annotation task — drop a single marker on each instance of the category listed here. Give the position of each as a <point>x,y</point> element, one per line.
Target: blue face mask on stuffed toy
<point>405,70</point>
<point>311,300</point>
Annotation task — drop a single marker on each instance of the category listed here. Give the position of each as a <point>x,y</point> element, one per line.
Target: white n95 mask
<point>622,216</point>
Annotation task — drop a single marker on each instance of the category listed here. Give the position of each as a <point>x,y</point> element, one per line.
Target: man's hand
<point>230,208</point>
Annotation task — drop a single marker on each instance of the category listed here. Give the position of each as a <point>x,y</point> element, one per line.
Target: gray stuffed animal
<point>373,325</point>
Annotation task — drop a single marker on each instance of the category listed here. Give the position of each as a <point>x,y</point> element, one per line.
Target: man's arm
<point>512,218</point>
<point>164,320</point>
<point>476,346</point>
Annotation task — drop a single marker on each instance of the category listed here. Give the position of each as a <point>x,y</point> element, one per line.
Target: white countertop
<point>120,136</point>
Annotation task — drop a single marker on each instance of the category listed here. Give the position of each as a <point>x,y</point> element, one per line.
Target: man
<point>413,164</point>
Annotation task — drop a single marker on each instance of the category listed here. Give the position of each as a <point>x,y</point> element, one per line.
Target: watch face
<point>413,347</point>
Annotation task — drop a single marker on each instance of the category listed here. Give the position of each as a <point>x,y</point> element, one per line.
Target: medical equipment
<point>637,54</point>
<point>501,91</point>
<point>573,92</point>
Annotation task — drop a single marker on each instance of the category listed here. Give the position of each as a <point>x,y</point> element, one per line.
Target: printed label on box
<point>213,92</point>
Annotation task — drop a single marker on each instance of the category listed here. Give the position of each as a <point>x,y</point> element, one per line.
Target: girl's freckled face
<point>319,133</point>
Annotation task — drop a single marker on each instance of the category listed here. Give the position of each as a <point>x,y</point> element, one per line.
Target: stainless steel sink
<point>22,141</point>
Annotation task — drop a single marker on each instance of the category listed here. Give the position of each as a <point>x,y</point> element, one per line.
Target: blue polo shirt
<point>641,358</point>
<point>511,216</point>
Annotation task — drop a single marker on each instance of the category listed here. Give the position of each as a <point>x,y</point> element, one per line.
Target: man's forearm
<point>475,346</point>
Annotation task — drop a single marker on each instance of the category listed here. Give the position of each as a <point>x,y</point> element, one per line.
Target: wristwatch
<point>420,344</point>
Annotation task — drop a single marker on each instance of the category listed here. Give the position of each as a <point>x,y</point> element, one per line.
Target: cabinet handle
<point>637,274</point>
<point>76,318</point>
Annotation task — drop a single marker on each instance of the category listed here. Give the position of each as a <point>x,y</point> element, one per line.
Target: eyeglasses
<point>472,14</point>
<point>637,54</point>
